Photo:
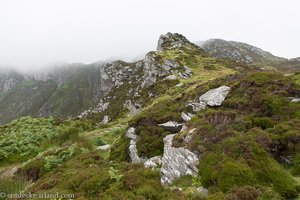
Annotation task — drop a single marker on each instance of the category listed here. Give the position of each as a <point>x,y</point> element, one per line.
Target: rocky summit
<point>216,121</point>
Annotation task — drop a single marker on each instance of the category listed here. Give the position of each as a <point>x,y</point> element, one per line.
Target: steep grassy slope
<point>25,98</point>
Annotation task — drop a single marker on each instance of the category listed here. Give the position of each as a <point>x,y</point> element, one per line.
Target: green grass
<point>108,135</point>
<point>9,185</point>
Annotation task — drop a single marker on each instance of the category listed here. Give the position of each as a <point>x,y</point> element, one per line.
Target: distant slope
<point>249,54</point>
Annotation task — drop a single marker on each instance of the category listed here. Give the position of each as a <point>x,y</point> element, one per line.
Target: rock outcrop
<point>177,162</point>
<point>106,119</point>
<point>133,108</point>
<point>172,41</point>
<point>213,97</point>
<point>8,79</point>
<point>133,152</point>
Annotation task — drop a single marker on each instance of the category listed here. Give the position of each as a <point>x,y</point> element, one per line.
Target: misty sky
<point>37,32</point>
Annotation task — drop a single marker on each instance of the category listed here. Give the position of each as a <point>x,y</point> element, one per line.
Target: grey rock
<point>133,108</point>
<point>202,190</point>
<point>184,128</point>
<point>153,162</point>
<point>215,97</point>
<point>169,65</point>
<point>171,77</point>
<point>179,85</point>
<point>188,71</point>
<point>189,137</point>
<point>98,109</point>
<point>171,126</point>
<point>288,160</point>
<point>106,119</point>
<point>153,70</point>
<point>182,75</point>
<point>133,152</point>
<point>131,133</point>
<point>236,51</point>
<point>177,162</point>
<point>197,106</point>
<point>8,79</point>
<point>172,41</point>
<point>294,99</point>
<point>187,116</point>
<point>104,147</point>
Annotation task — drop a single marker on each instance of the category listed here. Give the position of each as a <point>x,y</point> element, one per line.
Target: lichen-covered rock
<point>215,97</point>
<point>187,116</point>
<point>132,150</point>
<point>197,106</point>
<point>171,126</point>
<point>106,119</point>
<point>133,108</point>
<point>152,69</point>
<point>172,41</point>
<point>153,162</point>
<point>131,133</point>
<point>98,109</point>
<point>177,162</point>
<point>171,77</point>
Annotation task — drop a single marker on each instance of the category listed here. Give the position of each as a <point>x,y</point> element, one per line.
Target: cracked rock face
<point>153,70</point>
<point>177,162</point>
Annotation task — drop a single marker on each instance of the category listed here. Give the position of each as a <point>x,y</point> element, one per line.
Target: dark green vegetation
<point>26,137</point>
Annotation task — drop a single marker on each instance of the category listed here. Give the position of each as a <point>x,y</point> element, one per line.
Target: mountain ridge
<point>178,124</point>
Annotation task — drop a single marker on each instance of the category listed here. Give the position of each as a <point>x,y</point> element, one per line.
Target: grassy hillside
<point>248,147</point>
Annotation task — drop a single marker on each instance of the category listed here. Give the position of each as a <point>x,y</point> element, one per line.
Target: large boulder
<point>215,97</point>
<point>177,162</point>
